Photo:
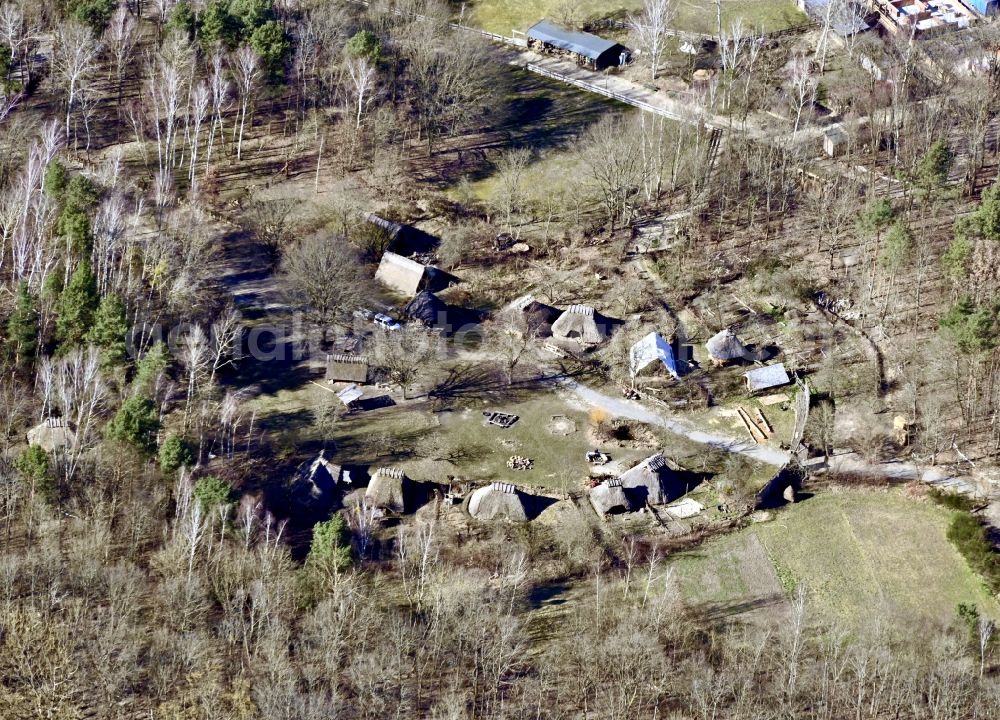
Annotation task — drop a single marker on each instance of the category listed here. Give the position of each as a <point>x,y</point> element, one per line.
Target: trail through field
<point>846,463</point>
<point>634,411</point>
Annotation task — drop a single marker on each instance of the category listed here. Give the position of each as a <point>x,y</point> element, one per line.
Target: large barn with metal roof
<point>590,50</point>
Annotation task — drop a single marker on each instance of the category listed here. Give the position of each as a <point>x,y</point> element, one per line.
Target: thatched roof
<point>319,478</point>
<point>609,497</point>
<point>498,501</point>
<point>427,308</point>
<point>385,490</point>
<point>652,350</point>
<point>52,434</point>
<point>534,318</point>
<point>724,346</point>
<point>648,482</point>
<point>580,322</point>
<point>347,368</point>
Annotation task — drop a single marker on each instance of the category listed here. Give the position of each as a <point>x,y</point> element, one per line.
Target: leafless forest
<point>176,175</point>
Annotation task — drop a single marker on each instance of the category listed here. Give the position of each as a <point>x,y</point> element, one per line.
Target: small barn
<point>609,497</point>
<point>498,501</point>
<point>347,368</point>
<point>581,323</point>
<point>835,140</point>
<point>765,378</point>
<point>586,49</point>
<point>427,309</point>
<point>386,490</point>
<point>649,482</point>
<point>408,277</point>
<point>725,347</point>
<point>52,434</point>
<point>652,352</point>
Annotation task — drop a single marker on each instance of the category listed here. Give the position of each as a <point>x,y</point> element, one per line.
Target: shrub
<point>175,453</point>
<point>211,491</point>
<point>136,424</point>
<point>951,500</point>
<point>969,536</point>
<point>33,464</point>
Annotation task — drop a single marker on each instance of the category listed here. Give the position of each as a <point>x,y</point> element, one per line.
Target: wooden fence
<point>693,119</point>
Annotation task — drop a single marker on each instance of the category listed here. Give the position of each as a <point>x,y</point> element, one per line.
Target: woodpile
<point>518,462</point>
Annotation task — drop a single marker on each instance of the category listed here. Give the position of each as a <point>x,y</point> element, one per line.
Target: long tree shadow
<point>714,613</point>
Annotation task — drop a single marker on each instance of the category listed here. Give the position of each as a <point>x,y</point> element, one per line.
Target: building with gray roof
<point>590,50</point>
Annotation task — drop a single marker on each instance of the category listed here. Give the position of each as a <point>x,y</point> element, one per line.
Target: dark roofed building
<point>428,309</point>
<point>586,49</point>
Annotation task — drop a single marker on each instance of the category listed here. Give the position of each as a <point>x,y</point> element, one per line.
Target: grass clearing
<point>502,16</point>
<point>853,550</point>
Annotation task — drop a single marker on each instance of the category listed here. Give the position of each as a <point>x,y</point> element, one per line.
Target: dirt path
<point>634,411</point>
<point>845,463</point>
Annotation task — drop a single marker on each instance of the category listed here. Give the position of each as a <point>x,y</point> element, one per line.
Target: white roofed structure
<point>649,350</point>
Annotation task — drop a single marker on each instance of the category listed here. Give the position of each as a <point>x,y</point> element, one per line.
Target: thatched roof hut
<point>725,346</point>
<point>609,497</point>
<point>318,479</point>
<point>346,368</point>
<point>581,323</point>
<point>498,501</point>
<point>648,482</point>
<point>428,309</point>
<point>385,490</point>
<point>52,434</point>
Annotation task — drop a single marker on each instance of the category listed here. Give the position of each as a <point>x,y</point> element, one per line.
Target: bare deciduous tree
<point>322,278</point>
<point>74,56</point>
<point>651,29</point>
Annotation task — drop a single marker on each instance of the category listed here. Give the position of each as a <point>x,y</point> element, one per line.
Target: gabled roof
<point>400,274</point>
<point>650,349</point>
<point>580,322</point>
<point>385,490</point>
<point>581,43</point>
<point>346,368</point>
<point>767,377</point>
<point>648,481</point>
<point>609,496</point>
<point>52,434</point>
<point>349,394</point>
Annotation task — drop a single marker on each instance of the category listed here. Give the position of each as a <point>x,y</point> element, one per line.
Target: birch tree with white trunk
<point>246,68</point>
<point>651,29</point>
<point>74,56</point>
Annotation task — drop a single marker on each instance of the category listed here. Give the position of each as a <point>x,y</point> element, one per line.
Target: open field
<point>853,550</point>
<point>502,16</point>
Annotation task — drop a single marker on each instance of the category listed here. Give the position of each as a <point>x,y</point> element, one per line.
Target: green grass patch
<point>852,551</point>
<point>502,16</point>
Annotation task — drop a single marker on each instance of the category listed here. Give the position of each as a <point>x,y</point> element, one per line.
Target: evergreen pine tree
<point>77,304</point>
<point>109,330</point>
<point>22,329</point>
